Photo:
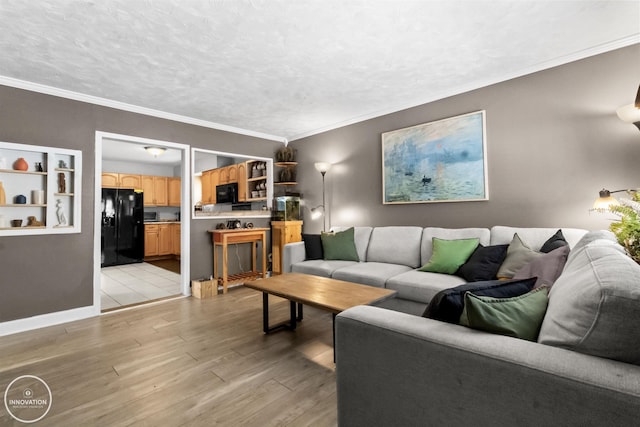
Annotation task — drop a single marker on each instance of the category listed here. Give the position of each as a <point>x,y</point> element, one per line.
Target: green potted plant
<point>627,229</point>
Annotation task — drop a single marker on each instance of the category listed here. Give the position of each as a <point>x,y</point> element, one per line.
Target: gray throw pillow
<point>547,268</point>
<point>518,255</point>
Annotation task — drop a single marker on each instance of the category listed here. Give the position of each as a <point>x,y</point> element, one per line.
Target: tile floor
<point>123,285</point>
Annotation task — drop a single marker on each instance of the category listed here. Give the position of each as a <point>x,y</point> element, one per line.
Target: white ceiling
<point>284,69</point>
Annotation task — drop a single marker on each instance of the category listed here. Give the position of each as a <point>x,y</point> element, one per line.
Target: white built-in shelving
<point>57,172</point>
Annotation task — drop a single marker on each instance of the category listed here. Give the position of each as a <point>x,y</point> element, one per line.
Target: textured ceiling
<point>293,68</point>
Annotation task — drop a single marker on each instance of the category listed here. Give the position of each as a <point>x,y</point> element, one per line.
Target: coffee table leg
<point>295,315</point>
<point>292,315</point>
<point>334,337</point>
<point>265,312</point>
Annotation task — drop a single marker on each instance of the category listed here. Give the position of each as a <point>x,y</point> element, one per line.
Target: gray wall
<point>48,273</point>
<point>553,141</point>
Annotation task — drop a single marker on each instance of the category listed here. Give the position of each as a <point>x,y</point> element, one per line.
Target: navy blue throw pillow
<point>483,264</point>
<point>447,305</point>
<point>313,246</point>
<point>554,242</point>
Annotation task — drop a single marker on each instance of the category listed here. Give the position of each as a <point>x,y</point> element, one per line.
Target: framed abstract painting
<point>441,161</point>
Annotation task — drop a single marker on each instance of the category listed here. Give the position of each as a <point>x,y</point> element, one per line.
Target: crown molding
<point>76,96</point>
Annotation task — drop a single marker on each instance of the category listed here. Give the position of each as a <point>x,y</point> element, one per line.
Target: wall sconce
<point>155,151</point>
<point>631,113</point>
<point>606,200</point>
<point>321,210</point>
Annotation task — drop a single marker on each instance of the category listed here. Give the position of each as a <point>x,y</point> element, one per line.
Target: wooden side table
<point>235,236</point>
<point>283,232</point>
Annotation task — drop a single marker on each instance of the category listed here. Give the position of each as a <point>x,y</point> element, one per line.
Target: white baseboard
<point>49,319</point>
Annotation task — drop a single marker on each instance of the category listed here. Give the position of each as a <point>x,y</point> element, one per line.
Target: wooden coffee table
<point>320,292</point>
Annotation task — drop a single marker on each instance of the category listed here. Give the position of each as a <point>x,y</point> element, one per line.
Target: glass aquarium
<point>286,208</point>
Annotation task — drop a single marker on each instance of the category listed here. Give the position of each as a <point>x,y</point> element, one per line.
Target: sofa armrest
<point>291,254</point>
<point>397,369</point>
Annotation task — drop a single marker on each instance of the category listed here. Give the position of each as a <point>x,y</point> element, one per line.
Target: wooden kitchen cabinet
<point>283,232</point>
<point>205,179</point>
<point>232,173</point>
<point>155,190</point>
<point>175,238</point>
<point>242,182</point>
<point>173,188</point>
<point>130,181</point>
<point>215,180</point>
<point>151,241</point>
<point>165,246</point>
<point>121,180</point>
<point>223,175</point>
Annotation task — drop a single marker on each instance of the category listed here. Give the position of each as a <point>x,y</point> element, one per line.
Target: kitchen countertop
<point>162,221</point>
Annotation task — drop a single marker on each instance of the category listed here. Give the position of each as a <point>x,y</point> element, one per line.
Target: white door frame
<point>185,203</point>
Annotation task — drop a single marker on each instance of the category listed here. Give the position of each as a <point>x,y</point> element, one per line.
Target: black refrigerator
<point>122,227</point>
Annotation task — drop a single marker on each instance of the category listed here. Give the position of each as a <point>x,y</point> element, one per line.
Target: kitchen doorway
<point>126,270</point>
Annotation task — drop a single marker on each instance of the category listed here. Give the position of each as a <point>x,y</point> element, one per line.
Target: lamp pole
<point>324,205</point>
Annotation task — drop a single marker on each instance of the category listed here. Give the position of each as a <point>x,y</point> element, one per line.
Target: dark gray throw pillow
<point>483,264</point>
<point>554,242</point>
<point>447,305</point>
<point>313,246</point>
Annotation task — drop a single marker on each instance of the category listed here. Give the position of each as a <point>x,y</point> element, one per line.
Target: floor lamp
<point>322,167</point>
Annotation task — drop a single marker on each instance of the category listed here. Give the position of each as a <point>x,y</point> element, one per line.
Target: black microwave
<point>227,193</point>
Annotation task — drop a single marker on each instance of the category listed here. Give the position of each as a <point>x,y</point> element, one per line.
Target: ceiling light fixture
<point>155,151</point>
<point>631,113</point>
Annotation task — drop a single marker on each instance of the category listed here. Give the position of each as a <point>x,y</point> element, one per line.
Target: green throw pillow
<point>340,245</point>
<point>519,317</point>
<point>449,255</point>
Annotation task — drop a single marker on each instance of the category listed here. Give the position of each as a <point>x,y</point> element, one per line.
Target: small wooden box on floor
<point>204,288</point>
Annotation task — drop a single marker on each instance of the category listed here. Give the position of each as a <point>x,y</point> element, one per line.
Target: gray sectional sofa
<point>390,257</point>
<point>396,368</point>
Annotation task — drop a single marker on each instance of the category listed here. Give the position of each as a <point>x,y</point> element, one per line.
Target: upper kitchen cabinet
<point>173,188</point>
<point>121,180</point>
<point>40,190</point>
<point>155,190</point>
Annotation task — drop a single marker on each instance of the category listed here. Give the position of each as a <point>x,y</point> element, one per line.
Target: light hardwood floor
<point>183,362</point>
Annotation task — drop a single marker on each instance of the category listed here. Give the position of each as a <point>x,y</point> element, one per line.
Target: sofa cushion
<point>483,264</point>
<point>361,236</point>
<point>547,268</point>
<point>448,304</point>
<point>554,242</point>
<point>369,273</point>
<point>595,304</point>
<point>535,237</point>
<point>597,237</point>
<point>420,286</point>
<point>449,255</point>
<point>429,233</point>
<point>340,246</point>
<point>313,246</point>
<point>518,317</point>
<point>320,267</point>
<point>518,255</point>
<point>395,245</point>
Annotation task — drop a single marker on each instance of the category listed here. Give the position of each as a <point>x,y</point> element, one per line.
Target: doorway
<point>135,282</point>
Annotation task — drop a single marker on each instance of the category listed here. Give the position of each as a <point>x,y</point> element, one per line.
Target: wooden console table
<point>234,236</point>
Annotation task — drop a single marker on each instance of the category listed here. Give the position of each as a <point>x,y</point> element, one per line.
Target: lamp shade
<point>631,113</point>
<point>605,201</point>
<point>322,167</point>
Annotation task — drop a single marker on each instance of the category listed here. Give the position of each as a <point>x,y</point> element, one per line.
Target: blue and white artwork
<point>441,161</point>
